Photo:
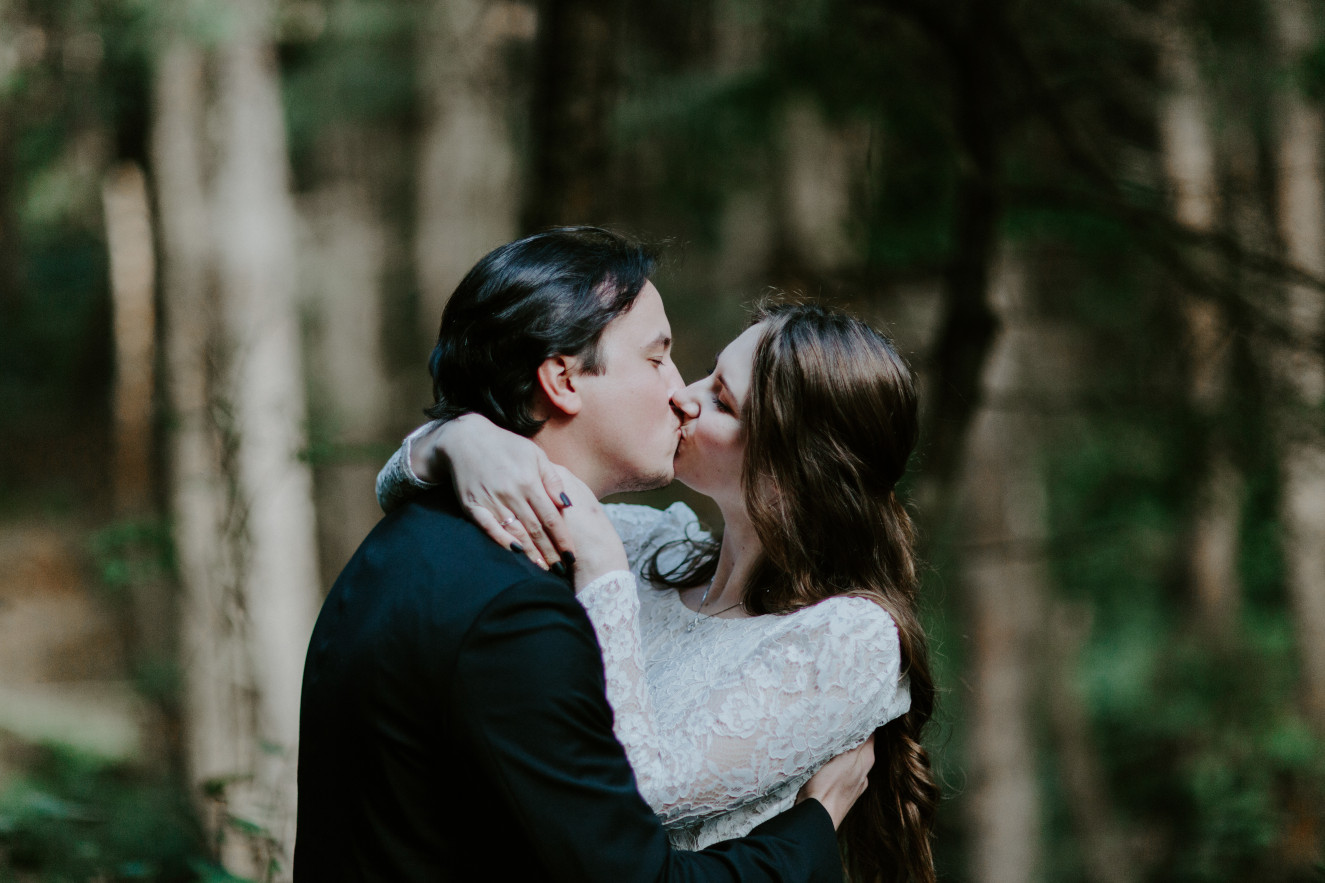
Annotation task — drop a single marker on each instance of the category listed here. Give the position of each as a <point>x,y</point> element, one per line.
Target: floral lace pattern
<point>397,481</point>
<point>722,723</point>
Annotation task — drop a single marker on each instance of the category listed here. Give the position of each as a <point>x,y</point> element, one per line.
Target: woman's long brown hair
<point>830,422</point>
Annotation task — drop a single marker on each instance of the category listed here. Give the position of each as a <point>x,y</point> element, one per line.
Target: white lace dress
<point>723,723</point>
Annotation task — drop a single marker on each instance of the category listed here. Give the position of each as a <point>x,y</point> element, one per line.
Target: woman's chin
<point>682,475</point>
<point>695,482</point>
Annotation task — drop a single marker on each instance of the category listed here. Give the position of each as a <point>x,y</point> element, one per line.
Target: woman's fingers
<point>539,533</point>
<point>506,532</point>
<point>529,531</point>
<point>548,508</point>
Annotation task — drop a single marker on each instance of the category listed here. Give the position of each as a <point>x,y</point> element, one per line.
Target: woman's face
<point>712,447</point>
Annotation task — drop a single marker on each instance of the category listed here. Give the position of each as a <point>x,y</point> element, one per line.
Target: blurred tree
<point>347,74</point>
<point>969,36</point>
<point>1107,846</point>
<point>11,53</point>
<point>216,714</point>
<point>470,153</point>
<point>255,239</point>
<point>1007,591</point>
<point>576,78</point>
<point>1299,364</point>
<point>1187,147</point>
<point>132,259</point>
<point>238,385</point>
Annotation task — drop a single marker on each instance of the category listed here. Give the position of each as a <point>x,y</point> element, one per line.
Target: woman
<point>794,636</point>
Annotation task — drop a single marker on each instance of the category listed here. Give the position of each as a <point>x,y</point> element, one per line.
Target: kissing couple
<point>512,681</point>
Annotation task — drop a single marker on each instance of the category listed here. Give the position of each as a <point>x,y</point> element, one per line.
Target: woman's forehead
<point>737,358</point>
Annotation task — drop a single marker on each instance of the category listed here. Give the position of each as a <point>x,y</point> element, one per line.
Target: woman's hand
<point>598,548</point>
<point>839,783</point>
<point>507,484</point>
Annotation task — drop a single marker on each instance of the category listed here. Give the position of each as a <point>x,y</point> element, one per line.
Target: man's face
<point>633,430</point>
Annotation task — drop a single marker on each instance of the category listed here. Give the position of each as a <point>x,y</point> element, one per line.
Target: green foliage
<point>53,348</point>
<point>133,551</point>
<point>78,98</point>
<point>353,65</point>
<point>1201,740</point>
<point>72,818</point>
<point>1313,72</point>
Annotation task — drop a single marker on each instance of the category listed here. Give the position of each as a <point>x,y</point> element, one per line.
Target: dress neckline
<point>675,598</point>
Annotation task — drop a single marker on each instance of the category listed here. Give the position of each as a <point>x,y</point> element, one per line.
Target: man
<point>454,722</point>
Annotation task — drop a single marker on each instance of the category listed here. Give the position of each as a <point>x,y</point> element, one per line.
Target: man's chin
<point>648,482</point>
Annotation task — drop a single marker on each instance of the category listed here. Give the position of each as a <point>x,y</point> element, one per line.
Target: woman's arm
<point>398,481</point>
<point>507,484</point>
<point>491,465</point>
<point>807,696</point>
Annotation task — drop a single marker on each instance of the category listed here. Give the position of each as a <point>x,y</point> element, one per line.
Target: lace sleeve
<point>812,691</point>
<point>397,482</point>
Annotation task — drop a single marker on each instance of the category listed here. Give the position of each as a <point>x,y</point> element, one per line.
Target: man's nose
<point>676,381</point>
<point>685,404</point>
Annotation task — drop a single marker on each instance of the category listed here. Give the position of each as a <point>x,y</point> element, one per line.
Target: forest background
<point>1095,227</point>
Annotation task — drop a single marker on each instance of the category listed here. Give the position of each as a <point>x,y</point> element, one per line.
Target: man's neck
<point>563,447</point>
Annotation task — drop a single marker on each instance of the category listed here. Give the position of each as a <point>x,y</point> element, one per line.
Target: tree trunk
<point>968,325</point>
<point>11,253</point>
<point>747,240</point>
<point>1108,853</point>
<point>11,24</point>
<point>1005,583</point>
<point>151,616</point>
<point>1189,158</point>
<point>819,164</point>
<point>574,92</point>
<point>218,716</point>
<point>1300,369</point>
<point>133,292</point>
<point>346,261</point>
<point>469,178</point>
<point>255,234</point>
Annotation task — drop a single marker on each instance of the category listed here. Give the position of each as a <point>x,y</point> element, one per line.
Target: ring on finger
<point>508,522</point>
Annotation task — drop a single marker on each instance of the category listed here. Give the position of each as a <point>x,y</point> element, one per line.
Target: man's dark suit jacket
<point>455,727</point>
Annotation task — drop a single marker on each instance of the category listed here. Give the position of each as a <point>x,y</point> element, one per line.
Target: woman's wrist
<point>587,585</point>
<point>430,453</point>
<point>417,459</point>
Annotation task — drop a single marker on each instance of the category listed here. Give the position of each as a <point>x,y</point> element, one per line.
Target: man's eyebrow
<point>663,341</point>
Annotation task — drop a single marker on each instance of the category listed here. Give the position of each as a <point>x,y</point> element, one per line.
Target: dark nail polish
<point>558,568</point>
<point>568,559</point>
<point>516,547</point>
<point>565,501</point>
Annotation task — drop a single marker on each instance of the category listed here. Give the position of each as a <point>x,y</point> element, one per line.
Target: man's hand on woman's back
<point>839,783</point>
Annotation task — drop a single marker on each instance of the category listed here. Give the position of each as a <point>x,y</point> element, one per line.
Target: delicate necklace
<point>699,611</point>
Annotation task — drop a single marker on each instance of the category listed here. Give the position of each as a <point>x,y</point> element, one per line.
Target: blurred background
<point>1095,227</point>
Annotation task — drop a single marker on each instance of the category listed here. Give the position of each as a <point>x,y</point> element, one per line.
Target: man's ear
<point>557,378</point>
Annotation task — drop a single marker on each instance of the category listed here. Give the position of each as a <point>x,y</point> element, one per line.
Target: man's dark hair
<point>548,294</point>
